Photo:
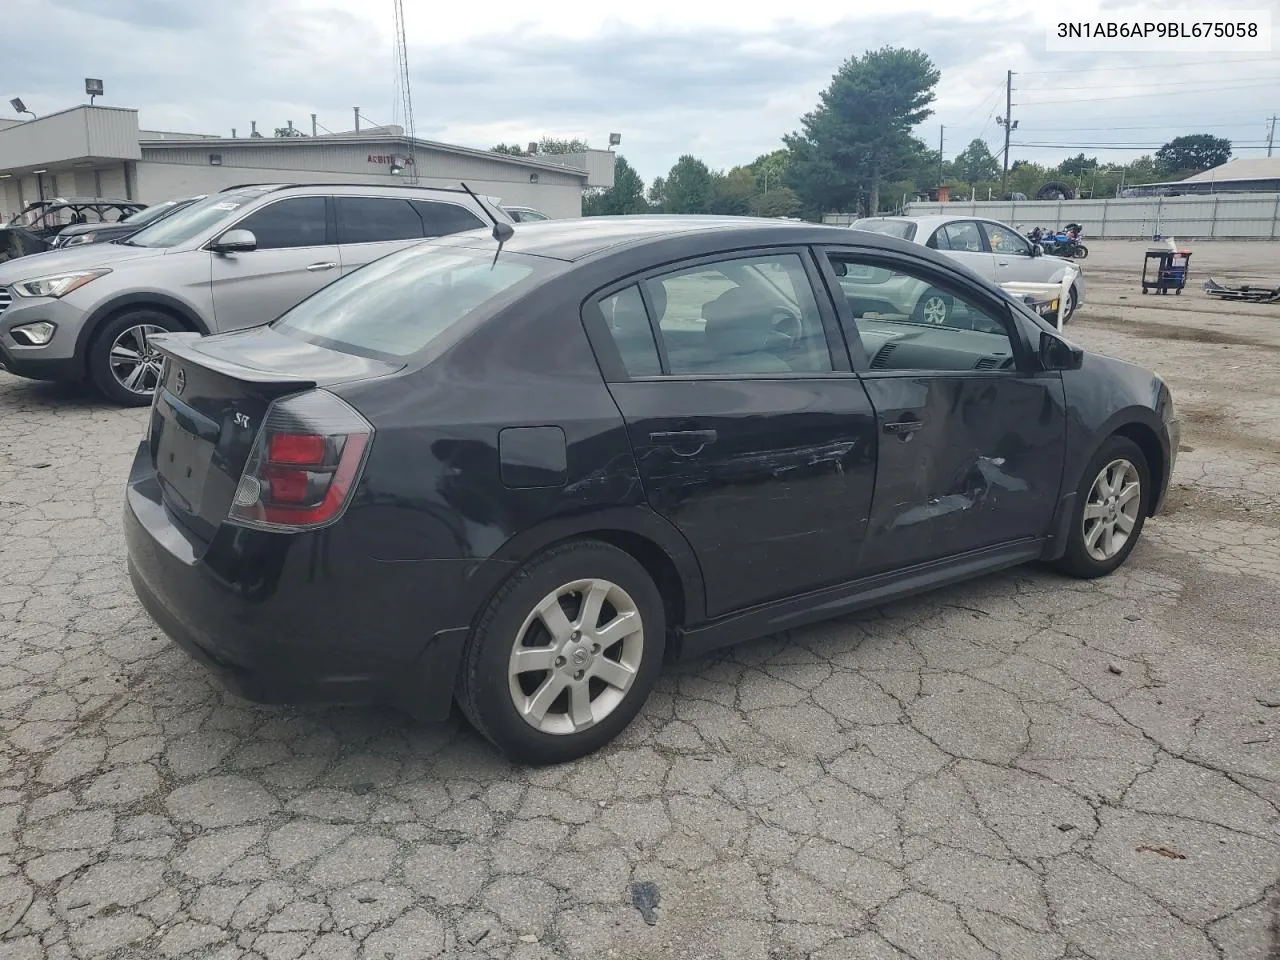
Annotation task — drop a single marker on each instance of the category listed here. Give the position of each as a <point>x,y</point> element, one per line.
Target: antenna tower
<point>406,95</point>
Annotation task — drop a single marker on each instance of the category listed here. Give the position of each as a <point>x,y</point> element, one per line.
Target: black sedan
<point>521,475</point>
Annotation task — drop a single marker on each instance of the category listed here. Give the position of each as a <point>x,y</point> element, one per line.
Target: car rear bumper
<point>294,618</point>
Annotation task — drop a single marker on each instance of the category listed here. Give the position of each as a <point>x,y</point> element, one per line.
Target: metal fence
<point>1222,216</point>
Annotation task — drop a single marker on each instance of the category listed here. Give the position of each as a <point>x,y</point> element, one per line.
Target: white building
<point>97,151</point>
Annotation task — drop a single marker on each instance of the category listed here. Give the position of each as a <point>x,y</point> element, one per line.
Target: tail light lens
<point>305,463</point>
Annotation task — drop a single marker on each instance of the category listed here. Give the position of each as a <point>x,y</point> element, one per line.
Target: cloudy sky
<point>722,81</point>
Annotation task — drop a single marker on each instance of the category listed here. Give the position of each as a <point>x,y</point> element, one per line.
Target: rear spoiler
<point>185,347</point>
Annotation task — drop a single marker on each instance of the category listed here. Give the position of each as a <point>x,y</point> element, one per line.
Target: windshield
<point>148,214</point>
<point>395,306</point>
<point>902,229</point>
<point>191,222</point>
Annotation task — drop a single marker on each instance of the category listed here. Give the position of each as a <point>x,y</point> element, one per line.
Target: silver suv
<point>234,259</point>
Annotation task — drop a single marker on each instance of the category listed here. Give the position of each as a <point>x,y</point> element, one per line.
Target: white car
<point>994,251</point>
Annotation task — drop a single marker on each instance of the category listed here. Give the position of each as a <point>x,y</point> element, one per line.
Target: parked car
<point>524,214</point>
<point>47,218</point>
<point>994,251</point>
<point>235,259</point>
<point>17,242</point>
<point>522,474</point>
<point>105,232</point>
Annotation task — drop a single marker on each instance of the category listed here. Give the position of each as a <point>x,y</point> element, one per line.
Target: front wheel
<point>1111,509</point>
<point>1081,251</point>
<point>1069,308</point>
<point>123,363</point>
<point>565,654</point>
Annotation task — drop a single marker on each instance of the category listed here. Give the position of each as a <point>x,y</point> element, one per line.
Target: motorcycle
<point>1066,243</point>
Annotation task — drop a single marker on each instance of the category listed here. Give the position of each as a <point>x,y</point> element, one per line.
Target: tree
<point>975,162</point>
<point>657,195</point>
<point>690,187</point>
<point>556,146</point>
<point>732,193</point>
<point>508,149</point>
<point>626,196</point>
<point>289,131</point>
<point>1077,166</point>
<point>861,128</point>
<point>778,202</point>
<point>1193,153</point>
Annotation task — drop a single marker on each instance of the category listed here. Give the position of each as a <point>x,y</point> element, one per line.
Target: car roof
<point>265,188</point>
<point>935,220</point>
<point>84,201</point>
<point>579,238</point>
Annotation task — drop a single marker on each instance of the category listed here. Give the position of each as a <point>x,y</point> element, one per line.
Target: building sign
<point>390,158</point>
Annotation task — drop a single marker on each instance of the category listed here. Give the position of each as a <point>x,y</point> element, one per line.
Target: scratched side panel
<point>984,468</point>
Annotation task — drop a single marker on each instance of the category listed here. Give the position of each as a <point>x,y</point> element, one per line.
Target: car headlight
<point>57,285</point>
<point>78,238</point>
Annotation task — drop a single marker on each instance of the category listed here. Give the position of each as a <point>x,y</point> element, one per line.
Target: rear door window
<point>376,219</point>
<point>292,222</point>
<point>441,219</point>
<point>963,236</point>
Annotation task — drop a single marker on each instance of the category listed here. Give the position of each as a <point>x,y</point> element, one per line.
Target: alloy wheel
<point>1111,512</point>
<point>135,363</point>
<point>576,656</point>
<point>934,310</point>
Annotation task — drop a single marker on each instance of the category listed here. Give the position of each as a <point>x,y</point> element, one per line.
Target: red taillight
<point>301,448</point>
<point>305,463</point>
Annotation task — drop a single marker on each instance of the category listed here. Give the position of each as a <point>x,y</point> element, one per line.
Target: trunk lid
<point>211,404</point>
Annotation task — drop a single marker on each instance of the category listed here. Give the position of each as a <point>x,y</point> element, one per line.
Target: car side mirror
<point>1057,354</point>
<point>235,241</point>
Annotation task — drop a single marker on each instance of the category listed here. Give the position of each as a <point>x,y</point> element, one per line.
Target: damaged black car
<point>517,470</point>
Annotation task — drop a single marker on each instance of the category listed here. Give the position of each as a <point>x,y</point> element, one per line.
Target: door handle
<point>313,267</point>
<point>903,428</point>
<point>685,443</point>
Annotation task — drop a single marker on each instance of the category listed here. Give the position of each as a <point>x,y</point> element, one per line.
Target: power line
<point>1152,66</point>
<point>1145,86</point>
<point>1121,146</point>
<point>1156,126</point>
<point>1138,96</point>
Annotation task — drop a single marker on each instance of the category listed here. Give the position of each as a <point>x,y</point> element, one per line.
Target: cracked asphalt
<point>1019,767</point>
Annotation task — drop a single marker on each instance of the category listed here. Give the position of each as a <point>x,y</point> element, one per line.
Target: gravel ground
<point>1019,767</point>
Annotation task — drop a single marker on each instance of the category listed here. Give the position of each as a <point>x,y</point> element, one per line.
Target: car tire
<point>1101,511</point>
<point>527,710</point>
<point>933,308</point>
<point>1072,303</point>
<point>110,363</point>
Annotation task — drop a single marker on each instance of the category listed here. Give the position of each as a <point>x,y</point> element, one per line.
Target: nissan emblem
<point>180,382</point>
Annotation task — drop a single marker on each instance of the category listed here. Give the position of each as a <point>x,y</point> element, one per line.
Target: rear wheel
<point>123,363</point>
<point>566,653</point>
<point>1111,509</point>
<point>934,308</point>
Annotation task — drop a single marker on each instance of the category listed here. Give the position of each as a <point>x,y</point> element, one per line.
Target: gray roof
<point>1251,168</point>
<point>383,140</point>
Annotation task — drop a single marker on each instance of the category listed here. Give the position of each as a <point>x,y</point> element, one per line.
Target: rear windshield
<point>395,306</point>
<point>902,229</point>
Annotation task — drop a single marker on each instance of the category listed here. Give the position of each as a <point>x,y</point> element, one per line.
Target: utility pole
<point>941,130</point>
<point>1271,134</point>
<point>1009,125</point>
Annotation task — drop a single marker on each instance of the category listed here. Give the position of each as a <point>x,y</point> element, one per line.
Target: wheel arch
<point>163,303</point>
<point>1148,441</point>
<point>645,536</point>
